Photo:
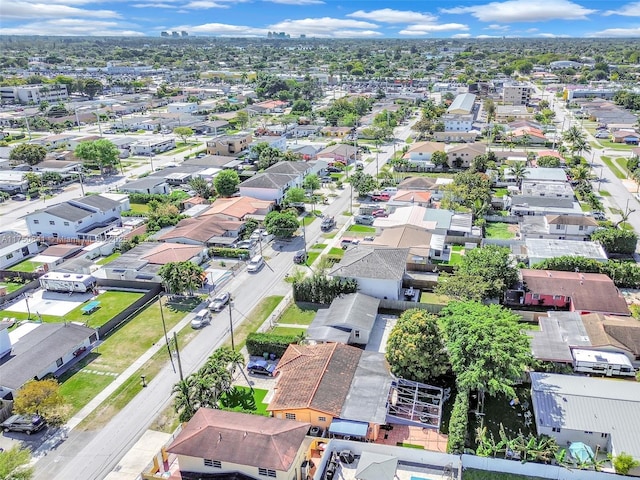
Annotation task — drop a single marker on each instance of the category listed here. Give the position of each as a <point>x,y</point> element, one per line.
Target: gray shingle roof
<point>143,183</point>
<point>355,311</point>
<point>97,201</point>
<point>294,168</point>
<point>269,180</point>
<point>38,349</point>
<point>367,262</point>
<point>67,211</point>
<point>589,404</point>
<point>534,201</point>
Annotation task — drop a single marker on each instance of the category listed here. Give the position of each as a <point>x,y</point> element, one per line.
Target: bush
<point>228,252</point>
<point>259,343</point>
<point>459,423</point>
<point>321,289</point>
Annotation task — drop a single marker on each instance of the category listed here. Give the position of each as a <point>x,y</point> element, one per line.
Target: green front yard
<point>361,229</point>
<point>430,297</point>
<point>25,266</point>
<point>613,167</point>
<point>288,331</point>
<point>244,399</point>
<point>498,230</point>
<point>11,286</point>
<point>306,221</point>
<point>298,315</point>
<point>111,303</point>
<point>140,208</point>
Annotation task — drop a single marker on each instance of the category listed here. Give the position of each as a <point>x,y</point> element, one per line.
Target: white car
<point>202,318</point>
<point>220,302</point>
<point>255,264</point>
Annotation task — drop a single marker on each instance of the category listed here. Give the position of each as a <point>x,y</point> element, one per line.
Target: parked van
<point>255,264</point>
<point>390,190</point>
<point>202,318</point>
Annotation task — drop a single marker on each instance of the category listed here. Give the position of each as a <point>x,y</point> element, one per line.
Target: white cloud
<point>617,32</point>
<point>525,11</point>
<point>461,35</point>
<point>497,27</point>
<point>153,5</point>
<point>430,28</point>
<point>388,15</point>
<point>297,2</point>
<point>203,5</point>
<point>222,29</point>
<point>488,36</point>
<point>74,27</point>
<point>628,10</point>
<point>531,30</point>
<point>324,27</point>
<point>552,35</point>
<point>26,10</point>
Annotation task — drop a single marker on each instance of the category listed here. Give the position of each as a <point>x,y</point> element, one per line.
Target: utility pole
<point>164,329</point>
<point>175,341</point>
<point>233,344</point>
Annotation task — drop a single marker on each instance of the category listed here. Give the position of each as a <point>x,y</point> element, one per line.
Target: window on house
<point>36,221</point>
<point>59,362</point>
<point>558,227</point>
<point>581,227</point>
<point>535,296</point>
<point>51,222</point>
<point>290,416</point>
<point>556,429</point>
<point>357,333</point>
<point>265,472</point>
<point>604,435</point>
<point>588,433</point>
<point>212,463</point>
<point>322,419</point>
<point>10,256</point>
<point>66,224</point>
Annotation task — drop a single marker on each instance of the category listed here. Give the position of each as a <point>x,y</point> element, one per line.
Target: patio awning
<point>348,427</point>
<point>376,466</point>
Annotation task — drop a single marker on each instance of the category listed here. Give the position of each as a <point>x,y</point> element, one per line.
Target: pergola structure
<point>416,404</point>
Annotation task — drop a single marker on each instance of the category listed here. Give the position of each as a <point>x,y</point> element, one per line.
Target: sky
<point>324,18</point>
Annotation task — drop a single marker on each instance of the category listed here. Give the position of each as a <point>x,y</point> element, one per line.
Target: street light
<point>233,344</point>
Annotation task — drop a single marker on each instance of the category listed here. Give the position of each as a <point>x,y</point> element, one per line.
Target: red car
<point>380,197</point>
<point>381,212</point>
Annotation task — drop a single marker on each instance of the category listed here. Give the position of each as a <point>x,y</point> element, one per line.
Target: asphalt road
<point>92,455</point>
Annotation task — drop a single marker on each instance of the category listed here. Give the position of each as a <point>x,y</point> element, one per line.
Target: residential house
<point>528,136</point>
<point>452,136</point>
<point>557,334</point>
<point>423,245</point>
<point>35,350</point>
<point>191,202</point>
<point>182,107</point>
<point>349,320</point>
<point>143,262</point>
<point>218,443</point>
<point>153,146</point>
<point>541,249</point>
<point>614,334</point>
<point>421,153</point>
<point>61,167</point>
<point>601,413</point>
<point>379,271</point>
<point>509,113</point>
<point>410,197</point>
<point>559,227</point>
<point>13,182</point>
<point>341,153</point>
<point>463,104</point>
<point>148,185</point>
<point>305,152</point>
<point>14,248</point>
<point>543,188</point>
<point>210,230</point>
<point>272,184</point>
<point>212,127</point>
<point>461,155</point>
<point>339,132</point>
<point>240,208</point>
<point>89,217</point>
<point>574,291</point>
<point>537,205</point>
<point>74,142</point>
<point>625,136</point>
<point>336,387</point>
<point>219,162</point>
<point>52,142</point>
<point>303,131</point>
<point>229,144</point>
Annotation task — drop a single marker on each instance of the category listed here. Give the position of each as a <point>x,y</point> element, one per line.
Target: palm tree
<point>519,171</point>
<point>581,174</point>
<point>183,402</point>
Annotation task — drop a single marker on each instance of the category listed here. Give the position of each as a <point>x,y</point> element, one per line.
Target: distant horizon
<point>324,19</point>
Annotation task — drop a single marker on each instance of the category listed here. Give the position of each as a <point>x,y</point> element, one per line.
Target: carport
<point>348,429</point>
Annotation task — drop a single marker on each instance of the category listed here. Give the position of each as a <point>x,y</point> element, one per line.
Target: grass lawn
<point>11,286</point>
<point>112,303</point>
<point>329,236</point>
<point>361,229</point>
<point>311,257</point>
<point>243,399</point>
<point>616,146</point>
<point>622,163</point>
<point>293,314</point>
<point>319,246</point>
<point>287,331</point>
<point>471,474</point>
<point>140,208</point>
<point>430,297</point>
<point>336,252</point>
<point>613,167</point>
<point>254,319</point>
<point>500,192</point>
<point>604,193</point>
<point>306,221</point>
<point>25,266</point>
<point>180,147</point>
<point>498,230</point>
<point>110,258</point>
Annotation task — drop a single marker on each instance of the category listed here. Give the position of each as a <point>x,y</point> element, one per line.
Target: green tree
<point>41,397</point>
<point>281,224</point>
<point>548,161</point>
<point>27,153</point>
<point>100,153</point>
<point>466,188</point>
<point>183,133</point>
<point>15,463</point>
<point>487,349</point>
<point>92,87</point>
<point>294,195</point>
<point>267,156</point>
<point>363,183</point>
<point>463,287</point>
<point>493,265</point>
<point>201,187</point>
<point>311,182</point>
<point>242,118</point>
<point>415,349</point>
<point>615,240</point>
<point>623,463</point>
<point>226,182</point>
<point>180,277</point>
<point>519,171</point>
<point>439,159</point>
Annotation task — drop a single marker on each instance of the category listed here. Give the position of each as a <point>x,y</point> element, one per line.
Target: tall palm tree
<point>183,402</point>
<point>519,171</point>
<point>581,174</point>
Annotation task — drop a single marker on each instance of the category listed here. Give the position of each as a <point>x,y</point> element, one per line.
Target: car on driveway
<point>365,219</point>
<point>220,301</point>
<point>380,212</point>
<point>380,197</point>
<point>261,367</point>
<point>300,257</point>
<point>23,423</point>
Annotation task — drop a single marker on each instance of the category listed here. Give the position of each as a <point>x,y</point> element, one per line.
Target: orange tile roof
<point>238,207</point>
<point>172,252</point>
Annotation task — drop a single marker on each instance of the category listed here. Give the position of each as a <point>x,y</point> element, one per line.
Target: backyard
<point>499,230</point>
<point>296,315</point>
<point>25,266</point>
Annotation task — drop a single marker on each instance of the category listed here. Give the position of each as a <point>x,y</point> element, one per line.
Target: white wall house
<point>89,217</point>
<point>182,107</point>
<point>153,146</point>
<point>14,248</point>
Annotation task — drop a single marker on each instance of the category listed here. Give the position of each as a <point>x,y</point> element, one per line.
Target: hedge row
<point>228,252</point>
<point>459,423</point>
<point>259,343</point>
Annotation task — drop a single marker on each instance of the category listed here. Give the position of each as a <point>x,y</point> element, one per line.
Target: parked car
<point>255,264</point>
<point>380,212</point>
<point>202,318</point>
<point>345,242</point>
<point>380,197</point>
<point>365,219</point>
<point>220,301</point>
<point>300,256</point>
<point>23,423</point>
<point>602,135</point>
<point>261,367</point>
<point>327,223</point>
<point>19,197</point>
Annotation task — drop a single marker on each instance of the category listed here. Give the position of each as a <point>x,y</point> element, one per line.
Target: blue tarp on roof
<point>347,427</point>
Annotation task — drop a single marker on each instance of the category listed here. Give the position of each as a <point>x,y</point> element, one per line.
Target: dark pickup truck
<point>328,223</point>
<point>23,423</point>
